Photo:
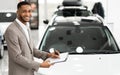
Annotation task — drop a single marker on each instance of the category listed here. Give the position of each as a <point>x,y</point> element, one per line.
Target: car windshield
<point>73,12</point>
<point>7,16</point>
<point>79,40</point>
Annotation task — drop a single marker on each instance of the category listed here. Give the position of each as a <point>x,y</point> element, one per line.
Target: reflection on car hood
<point>102,64</point>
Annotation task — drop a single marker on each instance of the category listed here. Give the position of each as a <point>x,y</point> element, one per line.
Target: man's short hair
<point>22,3</point>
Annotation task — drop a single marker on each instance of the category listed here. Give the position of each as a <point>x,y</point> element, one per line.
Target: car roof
<point>72,7</point>
<point>90,19</point>
<point>77,23</point>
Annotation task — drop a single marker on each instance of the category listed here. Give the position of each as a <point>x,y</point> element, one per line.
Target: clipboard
<point>63,58</point>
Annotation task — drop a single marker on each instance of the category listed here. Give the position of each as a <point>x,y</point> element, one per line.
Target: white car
<point>1,46</point>
<point>69,11</point>
<point>73,13</point>
<point>90,19</point>
<point>92,50</point>
<point>6,18</point>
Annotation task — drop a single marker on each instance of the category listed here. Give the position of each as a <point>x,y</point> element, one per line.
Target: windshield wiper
<point>108,52</point>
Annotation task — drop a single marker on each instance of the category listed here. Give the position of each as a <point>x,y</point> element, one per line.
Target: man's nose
<point>28,14</point>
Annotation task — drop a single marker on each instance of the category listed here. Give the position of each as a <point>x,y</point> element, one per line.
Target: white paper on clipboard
<point>63,57</point>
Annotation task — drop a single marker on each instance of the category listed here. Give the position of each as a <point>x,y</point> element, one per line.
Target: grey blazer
<point>21,52</point>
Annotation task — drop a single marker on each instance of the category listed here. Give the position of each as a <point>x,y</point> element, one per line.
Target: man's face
<point>24,13</point>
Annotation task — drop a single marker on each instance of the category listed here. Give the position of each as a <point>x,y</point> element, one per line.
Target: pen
<point>56,52</point>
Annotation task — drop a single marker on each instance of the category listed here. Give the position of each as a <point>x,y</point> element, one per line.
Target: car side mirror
<point>46,21</point>
<point>59,6</point>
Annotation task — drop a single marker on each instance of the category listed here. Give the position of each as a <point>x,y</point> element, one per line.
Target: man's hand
<point>54,54</point>
<point>45,64</point>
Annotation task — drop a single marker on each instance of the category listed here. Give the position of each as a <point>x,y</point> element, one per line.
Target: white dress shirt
<point>24,27</point>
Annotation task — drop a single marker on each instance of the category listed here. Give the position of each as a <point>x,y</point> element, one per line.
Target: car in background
<point>6,17</point>
<point>91,46</point>
<point>72,3</point>
<point>89,19</point>
<point>69,13</point>
<point>1,46</point>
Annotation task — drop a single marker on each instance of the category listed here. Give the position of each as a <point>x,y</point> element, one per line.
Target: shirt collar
<point>22,25</point>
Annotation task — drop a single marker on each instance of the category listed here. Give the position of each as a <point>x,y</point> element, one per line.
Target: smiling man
<point>21,49</point>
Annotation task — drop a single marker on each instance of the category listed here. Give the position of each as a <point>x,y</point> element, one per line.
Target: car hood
<point>102,64</point>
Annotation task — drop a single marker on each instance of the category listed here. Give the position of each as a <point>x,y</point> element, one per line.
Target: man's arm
<point>15,53</point>
<point>44,55</point>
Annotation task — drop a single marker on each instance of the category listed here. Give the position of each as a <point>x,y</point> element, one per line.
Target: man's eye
<point>23,11</point>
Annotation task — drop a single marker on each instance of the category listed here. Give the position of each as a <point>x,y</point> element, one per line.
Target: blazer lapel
<point>29,42</point>
<point>30,39</point>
